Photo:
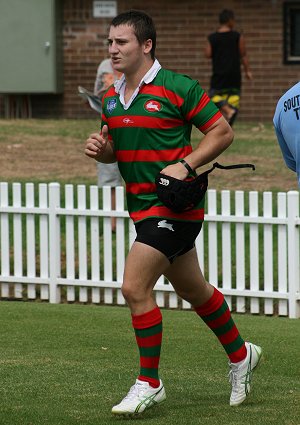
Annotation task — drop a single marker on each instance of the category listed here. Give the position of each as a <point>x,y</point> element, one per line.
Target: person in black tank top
<point>227,50</point>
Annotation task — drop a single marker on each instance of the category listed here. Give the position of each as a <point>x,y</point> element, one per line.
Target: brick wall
<point>182,28</point>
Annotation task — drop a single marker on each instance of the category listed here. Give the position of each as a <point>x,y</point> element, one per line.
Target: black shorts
<point>172,238</point>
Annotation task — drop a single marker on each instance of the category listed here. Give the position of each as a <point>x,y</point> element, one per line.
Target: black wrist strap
<point>187,166</point>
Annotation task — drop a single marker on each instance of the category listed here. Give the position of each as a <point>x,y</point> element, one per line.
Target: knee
<point>132,294</point>
<point>127,292</point>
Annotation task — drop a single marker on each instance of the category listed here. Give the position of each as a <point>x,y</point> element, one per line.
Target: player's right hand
<point>96,144</point>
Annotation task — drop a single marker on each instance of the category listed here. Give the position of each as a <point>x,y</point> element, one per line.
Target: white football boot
<point>240,374</point>
<point>140,397</point>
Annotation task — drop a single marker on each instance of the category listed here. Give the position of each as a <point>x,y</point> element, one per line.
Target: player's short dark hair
<point>143,25</point>
<point>225,16</point>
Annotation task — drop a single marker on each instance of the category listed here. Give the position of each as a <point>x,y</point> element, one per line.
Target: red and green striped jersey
<point>153,132</point>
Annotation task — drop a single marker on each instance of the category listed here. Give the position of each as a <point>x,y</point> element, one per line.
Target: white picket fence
<point>58,245</point>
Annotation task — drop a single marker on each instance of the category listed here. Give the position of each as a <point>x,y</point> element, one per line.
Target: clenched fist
<point>96,144</point>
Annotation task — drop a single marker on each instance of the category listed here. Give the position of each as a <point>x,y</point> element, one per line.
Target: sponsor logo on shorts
<point>164,182</point>
<point>153,106</point>
<point>165,225</point>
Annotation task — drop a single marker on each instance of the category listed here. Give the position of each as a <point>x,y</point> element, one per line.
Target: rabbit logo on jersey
<point>152,106</point>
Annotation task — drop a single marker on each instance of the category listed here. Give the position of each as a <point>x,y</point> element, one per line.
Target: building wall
<point>182,28</point>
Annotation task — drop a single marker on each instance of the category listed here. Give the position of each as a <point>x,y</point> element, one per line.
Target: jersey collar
<point>148,78</point>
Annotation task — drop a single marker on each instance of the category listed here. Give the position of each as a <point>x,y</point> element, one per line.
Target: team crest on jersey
<point>153,106</point>
<point>111,105</point>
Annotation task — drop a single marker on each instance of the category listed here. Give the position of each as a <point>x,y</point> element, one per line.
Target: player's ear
<point>148,46</point>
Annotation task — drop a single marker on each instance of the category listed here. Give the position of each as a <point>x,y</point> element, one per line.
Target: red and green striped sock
<point>148,333</point>
<point>216,314</point>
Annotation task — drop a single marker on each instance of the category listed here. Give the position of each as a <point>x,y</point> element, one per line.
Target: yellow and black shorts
<point>225,97</point>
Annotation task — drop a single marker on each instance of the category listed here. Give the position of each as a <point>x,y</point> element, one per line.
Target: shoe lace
<point>236,377</point>
<point>233,374</point>
<point>136,390</point>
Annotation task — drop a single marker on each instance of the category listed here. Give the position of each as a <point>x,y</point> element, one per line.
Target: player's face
<point>126,53</point>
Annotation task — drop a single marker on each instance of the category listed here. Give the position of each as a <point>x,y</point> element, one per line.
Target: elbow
<point>228,136</point>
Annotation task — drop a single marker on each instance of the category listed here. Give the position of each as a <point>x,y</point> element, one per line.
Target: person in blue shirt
<point>287,127</point>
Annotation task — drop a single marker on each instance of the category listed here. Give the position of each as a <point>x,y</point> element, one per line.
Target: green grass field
<point>68,364</point>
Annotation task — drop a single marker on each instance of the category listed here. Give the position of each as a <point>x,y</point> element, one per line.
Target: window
<point>291,32</point>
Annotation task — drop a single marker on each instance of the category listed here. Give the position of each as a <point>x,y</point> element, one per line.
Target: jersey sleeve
<point>286,153</point>
<point>199,109</point>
